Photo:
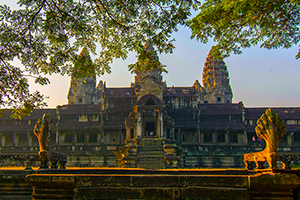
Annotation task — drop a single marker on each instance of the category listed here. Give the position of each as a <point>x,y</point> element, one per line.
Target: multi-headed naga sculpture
<point>42,132</point>
<point>271,128</point>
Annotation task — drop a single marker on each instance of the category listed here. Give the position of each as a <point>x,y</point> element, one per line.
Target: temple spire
<point>215,80</point>
<point>154,59</point>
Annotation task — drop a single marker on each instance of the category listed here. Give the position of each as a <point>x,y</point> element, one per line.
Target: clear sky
<point>258,77</point>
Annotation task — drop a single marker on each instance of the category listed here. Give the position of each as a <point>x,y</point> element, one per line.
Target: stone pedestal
<point>151,184</point>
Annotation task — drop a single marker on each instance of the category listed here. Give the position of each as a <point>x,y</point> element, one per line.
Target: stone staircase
<point>150,154</point>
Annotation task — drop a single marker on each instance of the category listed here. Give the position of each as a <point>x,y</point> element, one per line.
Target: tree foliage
<point>241,24</point>
<point>47,36</point>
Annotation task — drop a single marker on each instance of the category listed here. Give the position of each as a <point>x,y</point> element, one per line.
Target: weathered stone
<point>276,186</point>
<point>215,193</point>
<point>108,193</point>
<point>51,181</point>
<point>218,181</point>
<point>162,193</point>
<point>157,180</point>
<point>271,128</point>
<point>103,181</point>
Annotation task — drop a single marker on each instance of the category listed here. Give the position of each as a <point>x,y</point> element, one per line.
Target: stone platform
<point>163,184</point>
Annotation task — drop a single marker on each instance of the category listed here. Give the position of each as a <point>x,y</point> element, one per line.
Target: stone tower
<point>82,91</point>
<point>149,81</point>
<point>215,81</point>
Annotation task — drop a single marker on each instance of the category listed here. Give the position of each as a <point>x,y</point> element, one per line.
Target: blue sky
<point>258,77</point>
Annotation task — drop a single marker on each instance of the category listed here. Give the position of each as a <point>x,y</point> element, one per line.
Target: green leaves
<point>241,24</point>
<point>48,36</point>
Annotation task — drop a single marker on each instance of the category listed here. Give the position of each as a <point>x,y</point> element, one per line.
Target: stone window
<point>80,137</point>
<point>21,139</point>
<point>233,137</point>
<point>220,137</point>
<point>207,137</point>
<point>80,100</point>
<point>219,99</point>
<point>92,137</point>
<point>68,138</point>
<point>7,139</point>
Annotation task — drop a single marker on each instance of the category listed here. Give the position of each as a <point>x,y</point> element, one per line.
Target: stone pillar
<point>202,137</point>
<point>57,138</point>
<point>28,139</point>
<point>73,138</point>
<point>172,133</point>
<point>85,140</point>
<point>215,136</point>
<point>3,140</point>
<point>100,136</point>
<point>246,137</point>
<point>228,137</point>
<point>139,125</point>
<point>14,140</point>
<point>290,138</point>
<point>127,133</point>
<point>199,136</point>
<point>161,125</point>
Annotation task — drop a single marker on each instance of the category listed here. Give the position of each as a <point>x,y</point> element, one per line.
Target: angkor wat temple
<point>200,121</point>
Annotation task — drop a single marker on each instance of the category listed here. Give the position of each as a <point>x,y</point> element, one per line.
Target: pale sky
<point>258,77</point>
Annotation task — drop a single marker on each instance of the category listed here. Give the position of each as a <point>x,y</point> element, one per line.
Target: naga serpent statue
<point>42,131</point>
<point>272,129</point>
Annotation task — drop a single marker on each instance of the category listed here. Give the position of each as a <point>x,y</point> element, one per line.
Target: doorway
<point>150,129</point>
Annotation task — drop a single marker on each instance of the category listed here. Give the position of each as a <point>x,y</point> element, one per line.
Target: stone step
<point>153,166</point>
<point>150,158</point>
<point>150,142</point>
<point>149,161</point>
<point>150,148</point>
<point>151,152</point>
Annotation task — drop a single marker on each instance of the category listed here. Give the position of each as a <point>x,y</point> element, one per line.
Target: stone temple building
<point>200,122</point>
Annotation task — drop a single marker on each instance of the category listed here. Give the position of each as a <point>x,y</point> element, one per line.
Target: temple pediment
<point>150,85</point>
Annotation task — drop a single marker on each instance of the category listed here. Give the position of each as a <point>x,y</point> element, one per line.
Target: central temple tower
<point>216,81</point>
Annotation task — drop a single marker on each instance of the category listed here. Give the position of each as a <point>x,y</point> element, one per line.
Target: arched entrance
<point>150,129</point>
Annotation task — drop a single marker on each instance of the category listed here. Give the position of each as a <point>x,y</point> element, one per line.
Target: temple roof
<point>219,109</point>
<point>219,124</point>
<point>79,109</point>
<point>79,125</point>
<point>119,92</point>
<point>179,92</point>
<point>285,113</point>
<point>36,114</point>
